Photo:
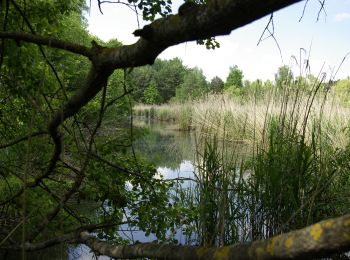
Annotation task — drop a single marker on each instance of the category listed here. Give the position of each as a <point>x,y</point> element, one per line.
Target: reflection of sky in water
<point>185,170</point>
<point>169,148</point>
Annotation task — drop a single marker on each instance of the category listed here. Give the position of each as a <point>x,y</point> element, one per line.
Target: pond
<point>171,150</point>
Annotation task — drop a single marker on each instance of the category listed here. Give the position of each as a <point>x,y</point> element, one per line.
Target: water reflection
<point>165,146</point>
<point>172,151</point>
<point>184,170</point>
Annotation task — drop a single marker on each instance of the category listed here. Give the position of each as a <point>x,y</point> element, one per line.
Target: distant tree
<point>216,85</point>
<point>246,83</point>
<point>234,78</point>
<point>268,84</point>
<point>168,75</point>
<point>151,94</point>
<point>283,77</point>
<point>139,79</point>
<point>194,85</point>
<point>256,87</point>
<point>341,90</point>
<point>313,80</point>
<point>300,81</point>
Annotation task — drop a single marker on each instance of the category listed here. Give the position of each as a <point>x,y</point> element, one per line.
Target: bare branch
<point>271,33</point>
<point>25,138</point>
<point>53,213</point>
<point>47,41</point>
<point>72,238</point>
<point>78,180</point>
<point>322,2</point>
<point>266,29</point>
<point>304,8</point>
<point>131,6</point>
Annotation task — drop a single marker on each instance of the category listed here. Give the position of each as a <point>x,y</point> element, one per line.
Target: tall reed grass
<point>246,121</point>
<point>297,174</point>
<point>179,113</point>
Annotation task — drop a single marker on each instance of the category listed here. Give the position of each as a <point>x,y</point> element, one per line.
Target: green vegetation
<point>165,75</point>
<point>51,190</point>
<point>234,78</point>
<point>270,156</point>
<point>151,94</point>
<point>245,109</point>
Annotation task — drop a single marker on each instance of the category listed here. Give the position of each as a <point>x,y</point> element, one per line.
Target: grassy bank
<point>245,120</point>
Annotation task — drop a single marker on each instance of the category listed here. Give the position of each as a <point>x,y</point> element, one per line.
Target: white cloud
<point>342,17</point>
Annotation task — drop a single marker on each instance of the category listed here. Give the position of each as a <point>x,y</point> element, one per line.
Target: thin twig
<point>302,15</point>
<point>271,33</point>
<point>25,138</point>
<point>322,3</point>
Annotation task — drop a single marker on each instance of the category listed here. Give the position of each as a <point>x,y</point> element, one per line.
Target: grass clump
<point>181,114</point>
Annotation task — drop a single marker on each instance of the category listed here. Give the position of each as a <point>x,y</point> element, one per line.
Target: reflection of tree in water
<point>164,147</point>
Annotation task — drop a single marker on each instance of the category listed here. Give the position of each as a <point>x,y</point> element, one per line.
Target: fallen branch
<point>319,240</point>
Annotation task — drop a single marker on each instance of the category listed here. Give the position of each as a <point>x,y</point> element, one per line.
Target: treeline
<point>171,80</point>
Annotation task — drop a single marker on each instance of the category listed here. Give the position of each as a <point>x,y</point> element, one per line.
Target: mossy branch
<point>319,240</point>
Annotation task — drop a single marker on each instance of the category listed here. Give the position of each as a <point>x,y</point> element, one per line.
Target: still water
<point>172,151</point>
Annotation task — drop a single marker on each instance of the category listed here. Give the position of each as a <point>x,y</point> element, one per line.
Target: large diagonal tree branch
<point>218,17</point>
<point>319,240</point>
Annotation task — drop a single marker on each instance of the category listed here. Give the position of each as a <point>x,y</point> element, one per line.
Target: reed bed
<point>175,112</point>
<point>245,120</point>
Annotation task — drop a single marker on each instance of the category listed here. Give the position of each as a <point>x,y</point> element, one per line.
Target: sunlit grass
<point>245,120</point>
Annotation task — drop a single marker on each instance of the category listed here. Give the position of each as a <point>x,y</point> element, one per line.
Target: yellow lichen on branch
<point>316,232</point>
<point>318,240</point>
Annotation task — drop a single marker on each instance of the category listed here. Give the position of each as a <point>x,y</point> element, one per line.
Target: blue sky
<point>328,39</point>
